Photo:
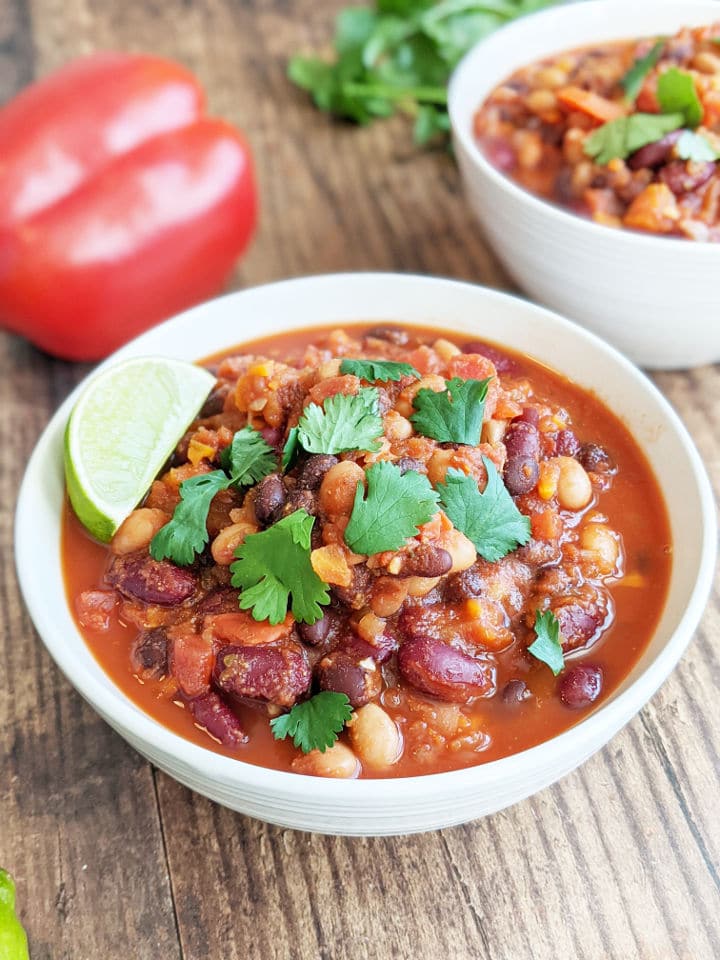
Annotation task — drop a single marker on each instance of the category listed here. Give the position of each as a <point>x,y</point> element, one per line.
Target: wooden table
<point>113,859</point>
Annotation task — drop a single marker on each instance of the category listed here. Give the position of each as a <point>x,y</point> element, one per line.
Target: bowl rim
<point>462,129</point>
<point>137,726</point>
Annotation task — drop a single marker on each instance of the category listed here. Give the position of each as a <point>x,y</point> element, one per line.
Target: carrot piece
<point>655,210</point>
<point>589,103</point>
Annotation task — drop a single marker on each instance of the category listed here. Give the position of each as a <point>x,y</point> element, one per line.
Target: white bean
<point>375,737</point>
<point>601,543</point>
<point>137,530</point>
<point>228,540</point>
<point>338,762</point>
<point>574,489</point>
<point>337,490</point>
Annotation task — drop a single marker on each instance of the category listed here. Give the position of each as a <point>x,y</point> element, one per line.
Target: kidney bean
<point>503,363</point>
<point>314,469</point>
<point>272,436</point>
<point>684,177</point>
<point>425,560</point>
<point>567,444</point>
<point>149,654</point>
<point>272,674</point>
<point>596,459</point>
<point>580,686</point>
<point>465,585</point>
<point>395,335</point>
<point>380,648</point>
<point>522,439</point>
<point>654,154</point>
<point>580,619</point>
<point>220,600</point>
<point>529,415</point>
<point>359,678</point>
<point>445,672</point>
<point>315,633</point>
<point>212,713</point>
<point>140,577</point>
<point>301,500</point>
<point>270,496</point>
<point>515,691</point>
<point>410,463</point>
<point>501,155</point>
<point>521,474</point>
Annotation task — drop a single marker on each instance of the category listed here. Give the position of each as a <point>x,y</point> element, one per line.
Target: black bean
<point>515,691</point>
<point>425,560</point>
<point>522,439</point>
<point>270,496</point>
<point>315,633</point>
<point>359,679</point>
<point>596,459</point>
<point>521,475</point>
<point>215,402</point>
<point>410,463</point>
<point>314,469</point>
<point>300,500</point>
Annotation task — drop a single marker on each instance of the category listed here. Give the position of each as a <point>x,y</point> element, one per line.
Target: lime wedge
<point>121,431</point>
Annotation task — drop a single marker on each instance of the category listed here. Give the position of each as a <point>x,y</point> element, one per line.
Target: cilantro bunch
<point>397,56</point>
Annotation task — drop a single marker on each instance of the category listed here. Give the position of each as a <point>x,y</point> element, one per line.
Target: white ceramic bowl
<point>655,298</point>
<point>374,807</point>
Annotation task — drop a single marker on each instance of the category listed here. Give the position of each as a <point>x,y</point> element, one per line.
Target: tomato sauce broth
<point>494,728</point>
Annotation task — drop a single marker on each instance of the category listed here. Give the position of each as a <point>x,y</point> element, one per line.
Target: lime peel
<point>123,428</point>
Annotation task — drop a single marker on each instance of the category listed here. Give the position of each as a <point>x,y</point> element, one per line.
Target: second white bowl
<point>655,298</point>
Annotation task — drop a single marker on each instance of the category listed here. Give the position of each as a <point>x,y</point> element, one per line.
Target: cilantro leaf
<point>694,146</point>
<point>396,506</point>
<point>378,370</point>
<point>249,457</point>
<point>548,646</point>
<point>343,423</point>
<point>621,137</point>
<point>186,534</point>
<point>490,519</point>
<point>453,416</point>
<point>273,569</point>
<point>290,450</point>
<point>315,723</point>
<point>635,77</point>
<point>676,93</point>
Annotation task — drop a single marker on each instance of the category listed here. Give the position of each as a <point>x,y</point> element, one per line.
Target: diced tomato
<point>242,630</point>
<point>655,209</point>
<point>94,609</point>
<point>425,360</point>
<point>191,661</point>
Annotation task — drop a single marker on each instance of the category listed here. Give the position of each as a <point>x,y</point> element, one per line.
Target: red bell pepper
<point>121,203</point>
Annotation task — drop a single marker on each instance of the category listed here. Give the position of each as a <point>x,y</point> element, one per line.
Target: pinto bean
<point>211,712</point>
<point>338,487</point>
<point>395,335</point>
<point>654,154</point>
<point>521,475</point>
<point>580,686</point>
<point>425,560</point>
<point>270,496</point>
<point>445,672</point>
<point>314,469</point>
<point>149,654</point>
<point>271,674</point>
<point>358,678</point>
<point>139,577</point>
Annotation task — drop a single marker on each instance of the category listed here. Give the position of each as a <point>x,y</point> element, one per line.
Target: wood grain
<point>114,860</point>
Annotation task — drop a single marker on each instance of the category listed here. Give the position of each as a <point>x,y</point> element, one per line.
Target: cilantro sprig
<point>247,460</point>
<point>547,646</point>
<point>315,723</point>
<point>186,533</point>
<point>623,136</point>
<point>378,371</point>
<point>291,449</point>
<point>343,423</point>
<point>676,93</point>
<point>249,457</point>
<point>454,415</point>
<point>634,79</point>
<point>489,519</point>
<point>395,506</point>
<point>694,146</point>
<point>273,570</point>
<point>396,56</point>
